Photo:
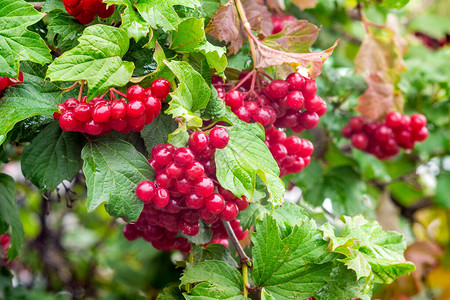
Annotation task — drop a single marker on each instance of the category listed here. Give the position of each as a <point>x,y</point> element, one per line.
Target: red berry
<point>403,137</point>
<point>295,81</point>
<point>174,170</point>
<point>215,203</point>
<point>67,121</point>
<point>193,201</point>
<point>242,203</point>
<point>208,153</point>
<point>101,113</point>
<point>135,92</point>
<point>145,191</point>
<point>198,141</point>
<point>160,88</point>
<point>92,5</point>
<point>295,100</point>
<point>161,198</point>
<point>262,116</point>
<point>163,180</point>
<point>194,171</point>
<point>188,228</point>
<point>135,109</point>
<point>308,119</point>
<point>421,135</point>
<point>346,131</point>
<point>93,128</point>
<point>183,186</point>
<point>137,124</point>
<point>309,89</point>
<point>314,104</point>
<point>278,151</point>
<point>230,212</point>
<point>85,17</point>
<point>277,89</point>
<point>418,121</point>
<point>118,125</point>
<point>71,103</point>
<point>190,215</point>
<point>204,187</point>
<point>82,112</point>
<point>393,119</point>
<point>118,109</point>
<point>183,156</point>
<point>234,99</point>
<point>323,109</point>
<point>293,144</point>
<point>360,141</point>
<point>130,232</point>
<point>251,106</point>
<point>356,124</point>
<point>162,155</point>
<point>71,3</point>
<point>242,113</point>
<point>152,105</point>
<point>306,148</point>
<point>383,133</point>
<point>219,137</point>
<point>105,12</point>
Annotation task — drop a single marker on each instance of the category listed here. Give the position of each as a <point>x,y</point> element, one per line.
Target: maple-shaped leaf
<point>266,56</point>
<point>296,36</point>
<point>225,26</point>
<point>379,98</point>
<point>304,4</point>
<point>258,17</point>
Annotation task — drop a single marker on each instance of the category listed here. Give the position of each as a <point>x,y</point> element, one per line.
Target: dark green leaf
<point>9,213</point>
<point>66,30</point>
<point>254,212</point>
<point>213,252</point>
<point>170,293</point>
<point>53,156</point>
<point>113,168</point>
<point>158,131</point>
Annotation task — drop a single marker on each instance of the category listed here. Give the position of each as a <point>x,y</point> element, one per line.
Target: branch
<point>248,30</point>
<point>37,5</point>
<point>237,245</point>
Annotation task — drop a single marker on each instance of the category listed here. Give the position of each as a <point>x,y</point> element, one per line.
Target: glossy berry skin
<point>135,109</point>
<point>183,156</point>
<point>383,133</point>
<point>393,119</point>
<point>105,12</point>
<point>82,112</point>
<point>183,186</point>
<point>314,104</point>
<point>204,187</point>
<point>135,92</point>
<point>418,121</point>
<point>295,100</point>
<point>277,89</point>
<point>188,228</point>
<point>309,89</point>
<point>162,156</point>
<point>234,99</point>
<point>67,121</point>
<point>421,135</point>
<point>278,151</point>
<point>295,81</point>
<point>293,144</point>
<point>194,171</point>
<point>174,170</point>
<point>146,191</point>
<point>152,105</point>
<point>242,203</point>
<point>219,137</point>
<point>198,141</point>
<point>356,124</point>
<point>360,141</point>
<point>230,211</point>
<point>101,113</point>
<point>160,88</point>
<point>308,119</point>
<point>93,128</point>
<point>118,109</point>
<point>306,148</point>
<point>130,233</point>
<point>195,202</point>
<point>243,114</point>
<point>346,131</point>
<point>215,203</point>
<point>161,198</point>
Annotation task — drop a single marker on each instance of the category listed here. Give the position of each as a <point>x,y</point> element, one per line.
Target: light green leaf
<point>208,291</point>
<point>161,14</point>
<point>33,97</point>
<point>16,42</point>
<point>215,56</point>
<point>132,22</point>
<point>246,156</point>
<point>255,211</point>
<point>113,168</point>
<point>9,213</point>
<point>220,277</point>
<point>191,95</point>
<point>370,251</point>
<point>97,59</point>
<point>290,266</point>
<point>53,156</point>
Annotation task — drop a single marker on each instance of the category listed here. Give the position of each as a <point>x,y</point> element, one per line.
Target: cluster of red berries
<point>292,153</point>
<point>278,22</point>
<point>86,10</point>
<point>220,235</point>
<point>101,116</point>
<point>185,190</point>
<point>6,81</point>
<point>5,243</point>
<point>384,139</point>
<point>290,103</point>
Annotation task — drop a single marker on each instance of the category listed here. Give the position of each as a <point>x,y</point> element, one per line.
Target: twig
<point>37,5</point>
<point>247,27</point>
<point>70,87</point>
<point>244,258</point>
<point>80,93</point>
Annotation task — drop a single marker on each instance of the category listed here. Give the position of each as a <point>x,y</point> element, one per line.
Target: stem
<point>119,92</point>
<point>189,260</point>
<point>265,74</point>
<point>244,258</point>
<point>70,87</point>
<point>245,276</point>
<point>246,25</point>
<point>80,93</point>
<point>243,80</point>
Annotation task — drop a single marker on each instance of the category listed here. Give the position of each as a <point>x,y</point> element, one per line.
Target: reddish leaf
<point>296,36</point>
<point>379,97</point>
<point>258,17</point>
<point>225,26</point>
<point>266,57</point>
<point>374,55</point>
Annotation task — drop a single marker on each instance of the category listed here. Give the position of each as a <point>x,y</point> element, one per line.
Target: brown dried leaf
<point>258,17</point>
<point>374,56</point>
<point>266,57</point>
<point>225,26</point>
<point>303,4</point>
<point>379,98</point>
<point>296,36</point>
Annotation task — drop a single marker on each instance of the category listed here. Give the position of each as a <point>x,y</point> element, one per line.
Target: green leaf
<point>113,168</point>
<point>50,5</point>
<point>161,14</point>
<point>220,278</point>
<point>296,37</point>
<point>368,250</point>
<point>210,7</point>
<point>292,266</point>
<point>33,97</point>
<point>53,156</point>
<point>288,215</point>
<point>97,59</point>
<point>216,107</point>
<point>266,296</point>
<point>246,156</point>
<point>132,22</point>
<point>203,237</point>
<point>394,3</point>
<point>9,213</point>
<point>170,293</point>
<point>441,197</point>
<point>215,56</point>
<point>208,291</point>
<point>66,30</point>
<point>254,212</point>
<point>158,131</point>
<point>213,252</point>
<point>16,42</point>
<point>191,95</point>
